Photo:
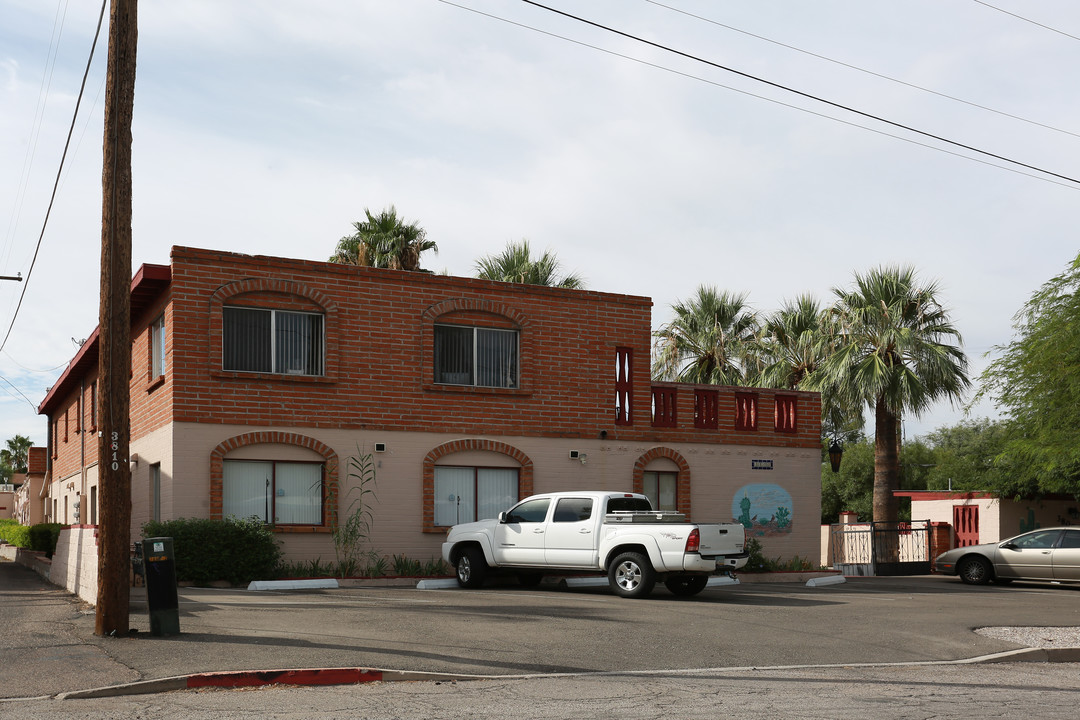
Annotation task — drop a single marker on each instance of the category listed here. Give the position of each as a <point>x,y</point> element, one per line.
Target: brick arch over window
<point>526,341</point>
<point>284,287</point>
<point>434,312</point>
<point>217,472</point>
<point>682,482</point>
<point>525,473</point>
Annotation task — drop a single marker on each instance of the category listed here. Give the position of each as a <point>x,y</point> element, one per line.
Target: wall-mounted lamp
<point>133,461</point>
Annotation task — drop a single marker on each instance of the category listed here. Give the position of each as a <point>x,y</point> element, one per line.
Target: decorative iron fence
<point>880,548</point>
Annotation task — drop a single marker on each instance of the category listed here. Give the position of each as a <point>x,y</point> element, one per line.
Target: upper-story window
<point>157,348</point>
<point>272,341</point>
<point>484,357</point>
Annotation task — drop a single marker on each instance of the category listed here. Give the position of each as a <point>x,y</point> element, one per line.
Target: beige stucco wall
<point>1001,519</point>
<point>75,562</point>
<point>155,447</point>
<point>718,473</point>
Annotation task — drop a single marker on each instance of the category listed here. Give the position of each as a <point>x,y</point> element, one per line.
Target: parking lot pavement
<point>514,631</point>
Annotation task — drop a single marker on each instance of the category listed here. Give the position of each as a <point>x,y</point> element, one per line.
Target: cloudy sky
<point>268,127</point>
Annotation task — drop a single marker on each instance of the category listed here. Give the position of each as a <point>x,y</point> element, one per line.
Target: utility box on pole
<point>159,567</point>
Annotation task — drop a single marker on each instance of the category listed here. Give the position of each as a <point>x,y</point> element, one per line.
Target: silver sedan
<point>1046,554</point>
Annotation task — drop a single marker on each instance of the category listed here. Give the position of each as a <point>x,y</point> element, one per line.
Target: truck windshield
<point>628,504</point>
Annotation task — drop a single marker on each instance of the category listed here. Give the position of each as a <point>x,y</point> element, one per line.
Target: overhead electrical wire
<point>864,70</point>
<point>59,171</point>
<point>763,97</point>
<point>28,401</point>
<point>1027,20</point>
<point>800,93</point>
<point>35,128</point>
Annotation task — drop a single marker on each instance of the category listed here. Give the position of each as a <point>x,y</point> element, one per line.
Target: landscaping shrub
<point>237,551</point>
<point>43,537</point>
<point>15,534</point>
<point>757,562</point>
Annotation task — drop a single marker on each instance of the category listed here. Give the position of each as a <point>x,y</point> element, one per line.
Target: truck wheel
<point>631,575</point>
<point>686,585</point>
<point>471,568</point>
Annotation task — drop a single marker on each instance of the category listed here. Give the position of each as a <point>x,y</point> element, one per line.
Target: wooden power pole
<point>114,328</point>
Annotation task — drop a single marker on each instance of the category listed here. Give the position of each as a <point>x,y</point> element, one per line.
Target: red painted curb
<point>330,676</point>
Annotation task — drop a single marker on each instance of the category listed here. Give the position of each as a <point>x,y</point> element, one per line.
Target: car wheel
<point>529,579</point>
<point>974,571</point>
<point>631,575</point>
<point>471,568</point>
<point>686,585</point>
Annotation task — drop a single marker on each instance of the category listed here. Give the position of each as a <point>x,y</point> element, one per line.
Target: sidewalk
<point>48,648</point>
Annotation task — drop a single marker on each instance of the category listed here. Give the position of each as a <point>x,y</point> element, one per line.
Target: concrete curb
<point>259,678</point>
<point>315,584</point>
<point>355,676</point>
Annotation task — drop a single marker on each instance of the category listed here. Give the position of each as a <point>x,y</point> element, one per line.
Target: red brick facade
<point>581,354</point>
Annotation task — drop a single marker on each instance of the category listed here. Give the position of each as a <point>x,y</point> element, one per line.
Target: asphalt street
<point>48,645</point>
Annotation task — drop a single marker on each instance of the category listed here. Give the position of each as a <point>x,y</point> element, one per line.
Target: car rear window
<point>628,504</point>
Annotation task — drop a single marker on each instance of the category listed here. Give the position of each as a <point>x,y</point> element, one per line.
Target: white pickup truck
<point>596,532</point>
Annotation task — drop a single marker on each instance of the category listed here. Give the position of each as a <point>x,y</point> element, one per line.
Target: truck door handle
<point>585,531</point>
<point>538,531</point>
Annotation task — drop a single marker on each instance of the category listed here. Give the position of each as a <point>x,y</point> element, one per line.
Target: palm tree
<point>516,264</point>
<point>384,241</point>
<point>790,343</point>
<point>15,455</point>
<point>711,340</point>
<point>892,349</point>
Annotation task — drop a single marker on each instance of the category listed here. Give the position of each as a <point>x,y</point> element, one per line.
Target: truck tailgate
<point>720,539</point>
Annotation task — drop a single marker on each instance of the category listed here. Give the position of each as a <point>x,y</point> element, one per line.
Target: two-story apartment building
<point>255,379</point>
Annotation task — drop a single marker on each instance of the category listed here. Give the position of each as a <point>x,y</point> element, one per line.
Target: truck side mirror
<point>502,517</point>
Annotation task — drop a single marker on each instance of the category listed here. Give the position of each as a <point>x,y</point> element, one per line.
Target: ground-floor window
<point>282,493</point>
<point>465,494</point>
<point>662,489</point>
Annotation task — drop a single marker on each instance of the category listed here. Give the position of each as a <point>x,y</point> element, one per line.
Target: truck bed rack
<point>640,516</point>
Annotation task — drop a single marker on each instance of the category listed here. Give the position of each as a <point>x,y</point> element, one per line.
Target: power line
<point>28,402</point>
<point>864,70</point>
<point>35,127</point>
<point>56,183</point>
<point>800,93</point>
<point>714,83</point>
<point>1027,20</point>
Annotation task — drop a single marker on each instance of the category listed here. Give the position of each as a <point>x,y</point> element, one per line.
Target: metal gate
<point>881,548</point>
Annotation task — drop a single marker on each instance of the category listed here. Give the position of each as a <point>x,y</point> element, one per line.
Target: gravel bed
<point>1035,637</point>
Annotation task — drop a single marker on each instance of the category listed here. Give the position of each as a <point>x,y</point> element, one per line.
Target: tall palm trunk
<point>886,464</point>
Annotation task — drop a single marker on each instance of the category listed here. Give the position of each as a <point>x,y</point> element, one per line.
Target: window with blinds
<point>272,341</point>
<point>484,357</point>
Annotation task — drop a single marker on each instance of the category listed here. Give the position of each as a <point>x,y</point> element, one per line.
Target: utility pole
<point>114,327</point>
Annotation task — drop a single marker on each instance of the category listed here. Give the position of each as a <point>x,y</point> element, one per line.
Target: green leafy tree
<point>516,264</point>
<point>712,339</point>
<point>852,488</point>
<point>965,457</point>
<point>895,350</point>
<point>1036,381</point>
<point>384,240</point>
